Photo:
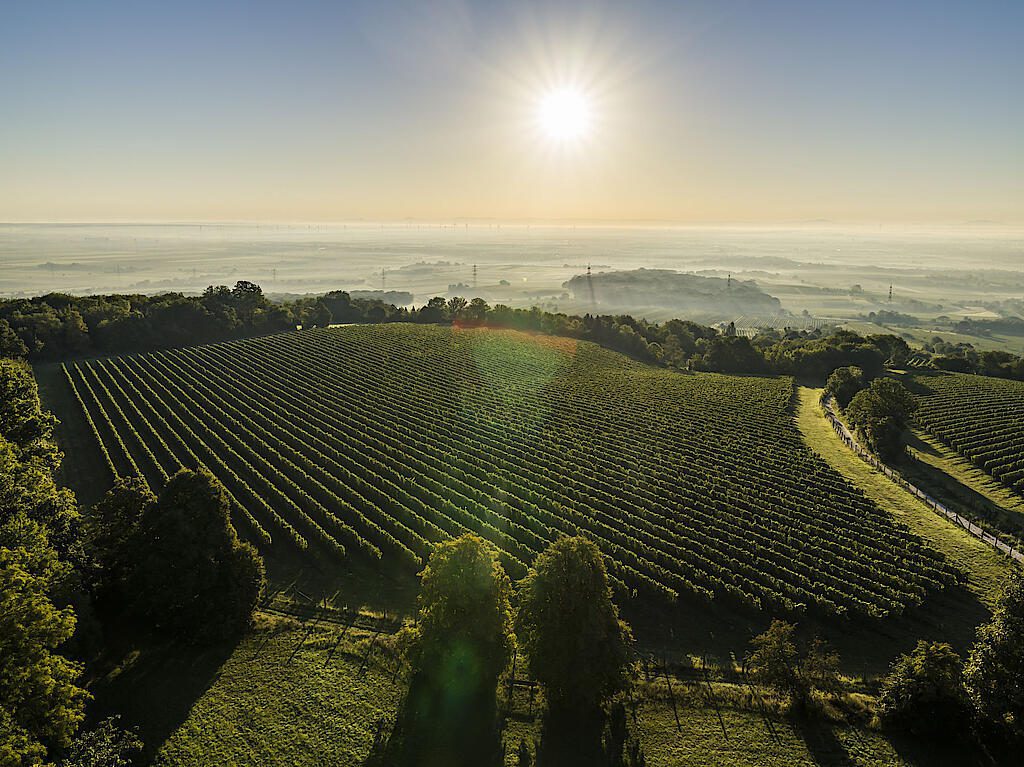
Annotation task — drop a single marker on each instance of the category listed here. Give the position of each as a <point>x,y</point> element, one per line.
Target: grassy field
<point>919,335</point>
<point>294,694</point>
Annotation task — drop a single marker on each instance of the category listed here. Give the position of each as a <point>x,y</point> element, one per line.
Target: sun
<point>564,114</point>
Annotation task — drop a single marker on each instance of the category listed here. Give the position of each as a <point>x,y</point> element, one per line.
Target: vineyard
<point>381,440</point>
<point>980,417</point>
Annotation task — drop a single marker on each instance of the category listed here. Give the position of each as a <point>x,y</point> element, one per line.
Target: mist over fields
<point>818,272</point>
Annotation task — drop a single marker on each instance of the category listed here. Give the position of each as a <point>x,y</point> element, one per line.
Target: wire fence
<point>981,534</point>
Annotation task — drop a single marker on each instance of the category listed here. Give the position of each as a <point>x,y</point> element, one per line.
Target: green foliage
<point>10,345</point>
<point>843,384</point>
<point>189,573</point>
<point>815,356</point>
<point>463,634</point>
<point>924,691</point>
<point>40,705</point>
<point>732,354</point>
<point>995,668</point>
<point>775,659</point>
<point>779,663</point>
<point>22,420</point>
<point>577,646</point>
<point>880,414</point>
<point>106,745</point>
<point>110,530</point>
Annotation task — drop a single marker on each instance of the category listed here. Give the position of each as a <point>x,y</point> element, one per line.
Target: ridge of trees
<point>59,326</point>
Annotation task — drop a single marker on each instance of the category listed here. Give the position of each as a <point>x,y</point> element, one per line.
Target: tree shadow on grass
<point>824,748</point>
<point>571,742</point>
<point>867,646</point>
<point>945,752</point>
<point>152,681</point>
<point>441,726</point>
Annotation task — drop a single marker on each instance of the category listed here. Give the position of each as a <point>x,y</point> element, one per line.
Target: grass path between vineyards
<point>986,569</point>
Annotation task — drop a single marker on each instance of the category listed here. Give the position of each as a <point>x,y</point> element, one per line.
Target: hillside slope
<point>380,440</point>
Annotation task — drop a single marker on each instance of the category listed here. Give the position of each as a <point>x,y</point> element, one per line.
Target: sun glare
<point>564,115</point>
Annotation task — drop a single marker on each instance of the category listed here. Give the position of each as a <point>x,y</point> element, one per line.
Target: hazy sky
<point>764,110</point>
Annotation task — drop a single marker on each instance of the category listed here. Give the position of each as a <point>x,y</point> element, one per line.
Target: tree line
<point>61,326</point>
<point>172,563</point>
<point>474,631</point>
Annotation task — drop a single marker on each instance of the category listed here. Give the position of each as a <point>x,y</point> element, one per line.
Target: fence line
<point>851,442</point>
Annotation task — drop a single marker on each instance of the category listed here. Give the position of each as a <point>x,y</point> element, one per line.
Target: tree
<point>435,310</point>
<point>477,310</point>
<point>10,344</point>
<point>732,354</point>
<point>995,668</point>
<point>110,530</point>
<point>778,662</point>
<point>463,632</point>
<point>924,691</point>
<point>40,705</point>
<point>106,745</point>
<point>880,413</point>
<point>820,667</point>
<point>317,316</point>
<point>775,659</point>
<point>843,384</point>
<point>22,420</point>
<point>190,573</point>
<point>247,298</point>
<point>455,307</point>
<point>578,648</point>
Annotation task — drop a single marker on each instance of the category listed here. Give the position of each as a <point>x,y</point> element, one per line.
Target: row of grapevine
<point>388,439</point>
<point>980,417</point>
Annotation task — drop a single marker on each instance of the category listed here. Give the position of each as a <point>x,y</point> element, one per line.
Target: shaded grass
<point>747,740</point>
<point>83,469</point>
<point>278,700</point>
<point>942,472</point>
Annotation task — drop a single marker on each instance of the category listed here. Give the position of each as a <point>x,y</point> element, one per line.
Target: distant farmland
<point>377,441</point>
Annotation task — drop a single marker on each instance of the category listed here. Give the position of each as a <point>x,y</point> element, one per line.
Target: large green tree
<point>780,662</point>
<point>190,573</point>
<point>924,691</point>
<point>879,414</point>
<point>40,704</point>
<point>577,646</point>
<point>844,383</point>
<point>463,633</point>
<point>994,674</point>
<point>110,531</point>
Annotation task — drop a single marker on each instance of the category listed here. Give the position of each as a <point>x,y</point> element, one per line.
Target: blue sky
<point>703,111</point>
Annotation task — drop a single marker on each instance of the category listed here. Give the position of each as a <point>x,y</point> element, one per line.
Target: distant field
<point>982,418</point>
<point>920,334</point>
<point>377,441</point>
